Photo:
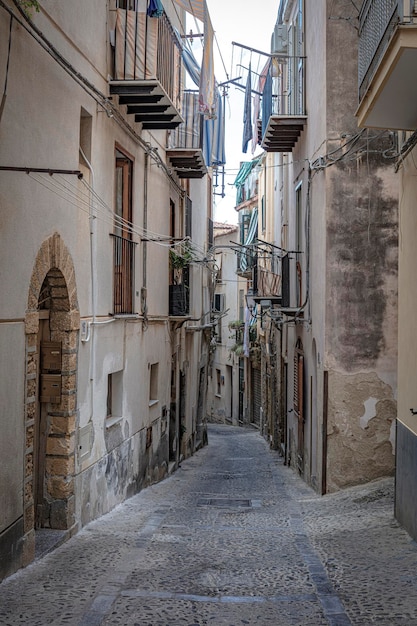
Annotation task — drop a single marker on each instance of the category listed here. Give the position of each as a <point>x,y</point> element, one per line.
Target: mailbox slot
<point>51,356</point>
<point>50,388</point>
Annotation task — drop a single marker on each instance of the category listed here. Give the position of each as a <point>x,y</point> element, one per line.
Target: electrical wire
<point>70,192</point>
<point>111,110</point>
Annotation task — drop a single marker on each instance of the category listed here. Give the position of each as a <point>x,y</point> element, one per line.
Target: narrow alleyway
<point>233,537</point>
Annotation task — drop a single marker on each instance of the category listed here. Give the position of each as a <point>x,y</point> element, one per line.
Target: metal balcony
<point>147,69</point>
<point>179,295</point>
<point>387,64</point>
<point>283,104</point>
<point>185,143</point>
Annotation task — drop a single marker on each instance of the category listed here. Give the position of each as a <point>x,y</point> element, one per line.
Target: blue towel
<point>155,8</point>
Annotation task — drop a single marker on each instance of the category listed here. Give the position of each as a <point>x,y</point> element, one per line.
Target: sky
<point>249,23</point>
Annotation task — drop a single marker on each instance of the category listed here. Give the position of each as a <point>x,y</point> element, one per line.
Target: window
<point>188,216</point>
<point>299,241</point>
<point>219,302</point>
<point>210,233</point>
<point>218,382</point>
<point>124,247</point>
<point>86,125</point>
<point>153,383</point>
<point>244,220</point>
<point>263,214</point>
<point>219,307</point>
<point>131,5</point>
<point>114,404</point>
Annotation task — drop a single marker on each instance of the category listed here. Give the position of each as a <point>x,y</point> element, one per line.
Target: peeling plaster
<point>370,412</point>
<point>361,415</point>
<point>392,436</point>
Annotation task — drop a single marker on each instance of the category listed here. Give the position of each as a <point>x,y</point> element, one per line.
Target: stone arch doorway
<point>52,324</point>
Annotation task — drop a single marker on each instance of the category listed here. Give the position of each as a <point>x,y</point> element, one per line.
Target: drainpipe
<point>92,218</point>
<point>93,268</point>
<point>143,294</point>
<point>145,218</point>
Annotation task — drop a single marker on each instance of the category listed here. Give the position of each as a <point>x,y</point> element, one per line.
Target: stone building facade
<point>327,308</point>
<point>104,375</point>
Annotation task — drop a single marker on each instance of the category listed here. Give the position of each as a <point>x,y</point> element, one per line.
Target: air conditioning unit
<point>279,39</point>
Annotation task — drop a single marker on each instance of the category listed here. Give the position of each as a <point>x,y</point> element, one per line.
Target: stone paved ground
<point>233,537</point>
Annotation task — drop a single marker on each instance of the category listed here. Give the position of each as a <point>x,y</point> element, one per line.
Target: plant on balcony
<point>236,325</point>
<point>26,5</point>
<point>254,346</point>
<point>180,260</point>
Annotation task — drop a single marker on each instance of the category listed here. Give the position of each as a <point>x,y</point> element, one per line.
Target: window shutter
<point>188,217</point>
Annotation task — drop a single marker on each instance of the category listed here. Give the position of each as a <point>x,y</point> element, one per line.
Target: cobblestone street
<point>233,537</point>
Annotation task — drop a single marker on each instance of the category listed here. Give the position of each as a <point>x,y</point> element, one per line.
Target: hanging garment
<point>155,8</point>
<point>257,104</point>
<point>213,133</point>
<point>267,101</point>
<point>207,83</point>
<point>247,113</point>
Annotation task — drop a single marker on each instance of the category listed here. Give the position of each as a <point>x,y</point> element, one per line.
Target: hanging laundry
<point>247,113</point>
<point>195,7</point>
<point>267,101</point>
<point>213,128</point>
<point>208,90</point>
<point>155,8</point>
<point>257,104</point>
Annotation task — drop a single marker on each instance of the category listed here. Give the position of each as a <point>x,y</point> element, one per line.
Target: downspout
<point>143,294</point>
<point>93,268</point>
<point>145,219</point>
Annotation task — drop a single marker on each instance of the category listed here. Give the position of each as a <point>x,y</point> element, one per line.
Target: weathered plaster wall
<point>127,468</point>
<point>362,410</point>
<point>361,320</point>
<point>362,271</point>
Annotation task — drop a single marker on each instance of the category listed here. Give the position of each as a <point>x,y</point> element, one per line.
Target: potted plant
<point>179,289</point>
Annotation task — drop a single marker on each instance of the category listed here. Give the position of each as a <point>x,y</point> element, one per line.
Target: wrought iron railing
<point>147,48</point>
<point>123,275</point>
<point>179,295</point>
<point>284,90</point>
<point>189,134</point>
<point>378,20</point>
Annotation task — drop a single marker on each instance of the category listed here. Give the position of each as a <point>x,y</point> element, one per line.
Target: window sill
<point>126,316</point>
<point>112,421</point>
<point>153,402</point>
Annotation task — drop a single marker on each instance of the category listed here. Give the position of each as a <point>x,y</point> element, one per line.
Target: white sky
<point>250,23</point>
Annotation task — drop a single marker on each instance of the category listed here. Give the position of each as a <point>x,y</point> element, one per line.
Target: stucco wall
<point>40,128</point>
<point>361,429</point>
<point>12,345</point>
